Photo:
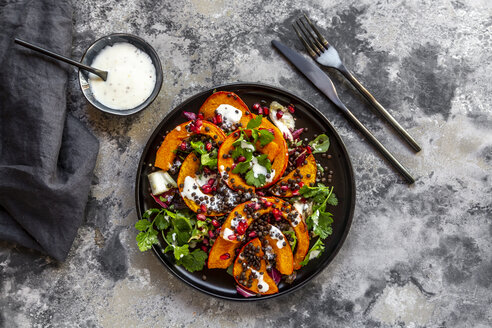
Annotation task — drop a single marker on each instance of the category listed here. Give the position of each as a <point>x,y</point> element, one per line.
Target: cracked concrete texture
<point>416,256</point>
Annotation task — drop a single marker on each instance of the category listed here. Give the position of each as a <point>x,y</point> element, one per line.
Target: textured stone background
<point>416,256</point>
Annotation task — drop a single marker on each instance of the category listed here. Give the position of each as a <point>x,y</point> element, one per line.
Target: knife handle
<point>379,146</point>
<point>391,120</point>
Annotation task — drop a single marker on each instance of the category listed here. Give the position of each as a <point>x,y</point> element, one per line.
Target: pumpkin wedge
<point>284,261</point>
<point>189,168</point>
<point>250,270</point>
<point>224,253</point>
<point>166,153</point>
<point>209,107</point>
<point>307,174</point>
<point>244,218</point>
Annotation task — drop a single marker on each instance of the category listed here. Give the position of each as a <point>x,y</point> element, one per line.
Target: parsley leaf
<point>194,261</point>
<point>199,147</point>
<point>146,239</point>
<point>255,181</point>
<point>209,159</point>
<point>265,137</point>
<point>320,144</point>
<point>254,123</point>
<point>294,237</point>
<point>242,167</point>
<point>314,252</point>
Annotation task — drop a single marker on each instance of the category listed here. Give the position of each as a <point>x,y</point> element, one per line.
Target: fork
<point>325,54</point>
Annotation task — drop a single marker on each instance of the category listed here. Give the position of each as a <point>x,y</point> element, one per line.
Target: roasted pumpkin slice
<point>280,247</point>
<point>187,179</point>
<point>276,151</point>
<point>224,253</point>
<point>225,104</point>
<point>250,270</point>
<point>166,153</point>
<point>234,227</point>
<point>306,173</point>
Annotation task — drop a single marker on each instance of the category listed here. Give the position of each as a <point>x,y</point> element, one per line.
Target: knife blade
<point>321,81</point>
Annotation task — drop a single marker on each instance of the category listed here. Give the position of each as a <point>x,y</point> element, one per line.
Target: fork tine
<point>312,37</point>
<point>304,42</point>
<point>308,38</point>
<point>320,37</point>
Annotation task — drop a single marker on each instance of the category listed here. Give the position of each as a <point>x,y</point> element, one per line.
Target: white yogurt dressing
<point>227,232</point>
<point>259,169</point>
<point>247,145</point>
<point>284,124</point>
<point>230,114</point>
<point>277,235</point>
<point>131,76</point>
<point>314,254</point>
<point>264,286</point>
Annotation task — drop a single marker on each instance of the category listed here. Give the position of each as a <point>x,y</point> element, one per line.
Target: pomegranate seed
<point>284,187</point>
<point>201,217</point>
<point>241,229</point>
<point>183,145</point>
<point>276,214</point>
<point>203,207</point>
<point>206,189</point>
<point>256,106</point>
<point>215,223</point>
<point>271,131</point>
<point>241,159</point>
<point>225,256</point>
<point>252,234</point>
<point>211,182</point>
<point>290,108</point>
<point>214,188</point>
<point>211,234</point>
<point>208,146</point>
<point>266,110</point>
<point>231,237</point>
<point>218,118</point>
<point>200,116</point>
<point>260,193</point>
<point>233,166</point>
<point>205,249</point>
<point>301,184</point>
<point>198,124</point>
<point>279,114</point>
<point>268,204</point>
<point>309,149</point>
<point>205,241</point>
<point>214,120</point>
<point>295,192</point>
<point>206,170</point>
<point>256,206</point>
<point>260,111</point>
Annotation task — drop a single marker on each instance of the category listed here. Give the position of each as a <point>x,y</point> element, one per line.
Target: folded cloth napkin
<point>46,156</point>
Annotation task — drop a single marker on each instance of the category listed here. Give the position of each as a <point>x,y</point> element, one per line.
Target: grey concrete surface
<point>418,256</point>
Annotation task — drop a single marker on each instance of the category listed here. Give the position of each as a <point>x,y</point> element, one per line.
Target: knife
<point>321,81</point>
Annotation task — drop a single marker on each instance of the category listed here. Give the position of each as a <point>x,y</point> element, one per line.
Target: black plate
<point>218,282</point>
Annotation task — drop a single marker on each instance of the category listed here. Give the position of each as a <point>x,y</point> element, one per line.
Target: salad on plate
<point>240,189</point>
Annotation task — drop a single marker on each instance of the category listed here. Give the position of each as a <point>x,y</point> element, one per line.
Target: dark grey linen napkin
<point>46,156</point>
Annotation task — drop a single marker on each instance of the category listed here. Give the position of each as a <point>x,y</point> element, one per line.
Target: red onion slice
<point>158,201</point>
<point>276,276</point>
<point>297,133</point>
<point>189,115</point>
<point>244,292</point>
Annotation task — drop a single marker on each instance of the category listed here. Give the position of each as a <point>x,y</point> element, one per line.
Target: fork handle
<point>377,144</point>
<point>403,133</point>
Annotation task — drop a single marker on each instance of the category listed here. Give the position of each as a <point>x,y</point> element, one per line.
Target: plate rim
<point>351,178</point>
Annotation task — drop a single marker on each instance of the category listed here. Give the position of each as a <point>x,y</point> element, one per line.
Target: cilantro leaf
<point>148,213</point>
<point>314,252</point>
<point>199,147</point>
<point>199,231</point>
<point>161,222</point>
<point>254,123</point>
<point>265,137</point>
<point>332,200</point>
<point>320,144</point>
<point>230,269</point>
<point>194,261</point>
<point>241,167</point>
<point>181,251</point>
